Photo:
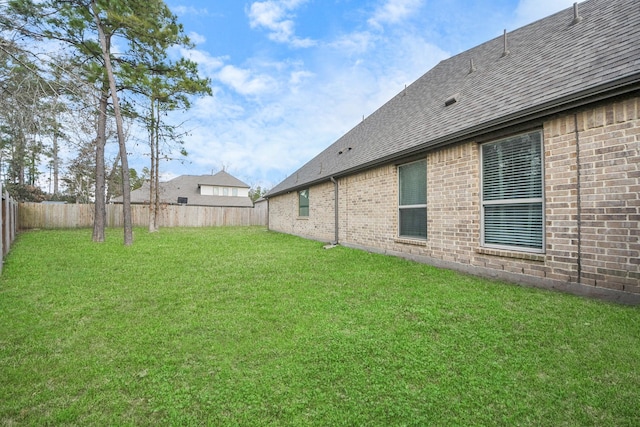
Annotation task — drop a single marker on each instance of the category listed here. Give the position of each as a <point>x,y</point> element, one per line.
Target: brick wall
<point>368,207</point>
<point>609,159</point>
<point>453,203</point>
<point>606,164</point>
<point>561,199</point>
<point>319,225</point>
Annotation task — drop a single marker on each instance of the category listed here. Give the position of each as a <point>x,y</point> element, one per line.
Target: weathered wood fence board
<point>41,215</point>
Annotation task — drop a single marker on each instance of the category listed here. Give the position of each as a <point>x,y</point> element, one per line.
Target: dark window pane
<point>303,202</point>
<point>413,222</point>
<point>413,183</point>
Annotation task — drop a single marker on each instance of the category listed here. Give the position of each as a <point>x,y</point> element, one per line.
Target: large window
<point>512,193</point>
<point>303,202</point>
<point>412,213</point>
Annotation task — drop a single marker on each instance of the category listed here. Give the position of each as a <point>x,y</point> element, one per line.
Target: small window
<point>303,202</point>
<point>234,192</point>
<point>512,193</point>
<point>225,191</point>
<point>216,191</point>
<point>412,209</point>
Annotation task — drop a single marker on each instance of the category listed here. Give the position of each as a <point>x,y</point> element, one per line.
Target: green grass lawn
<point>241,326</point>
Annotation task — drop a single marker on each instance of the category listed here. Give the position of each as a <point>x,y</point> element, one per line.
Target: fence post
<point>6,222</point>
<point>14,219</point>
<point>1,232</point>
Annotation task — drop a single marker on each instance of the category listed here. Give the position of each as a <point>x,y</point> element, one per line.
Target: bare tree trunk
<point>56,163</point>
<point>153,193</point>
<point>126,187</point>
<point>56,151</point>
<point>99,221</point>
<point>18,157</point>
<point>156,167</point>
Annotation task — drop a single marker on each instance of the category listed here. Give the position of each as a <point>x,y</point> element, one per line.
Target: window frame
<point>301,206</point>
<point>412,206</point>
<point>513,201</point>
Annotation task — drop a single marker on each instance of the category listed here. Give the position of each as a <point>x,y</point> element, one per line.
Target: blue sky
<point>290,77</point>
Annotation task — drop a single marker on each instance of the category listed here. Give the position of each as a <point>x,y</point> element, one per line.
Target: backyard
<point>242,326</point>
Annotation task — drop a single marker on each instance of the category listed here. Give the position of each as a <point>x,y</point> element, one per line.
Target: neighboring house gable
<point>221,189</point>
<point>519,158</point>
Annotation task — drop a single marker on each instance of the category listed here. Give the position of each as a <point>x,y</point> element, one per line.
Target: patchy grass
<point>241,326</point>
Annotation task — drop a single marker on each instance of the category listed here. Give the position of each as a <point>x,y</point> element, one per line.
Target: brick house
<point>517,159</point>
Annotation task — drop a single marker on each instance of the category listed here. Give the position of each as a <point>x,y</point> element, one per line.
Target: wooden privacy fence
<point>43,215</point>
<point>9,214</point>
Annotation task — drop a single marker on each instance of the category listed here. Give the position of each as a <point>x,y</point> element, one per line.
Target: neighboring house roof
<point>221,178</point>
<point>189,186</point>
<point>550,65</point>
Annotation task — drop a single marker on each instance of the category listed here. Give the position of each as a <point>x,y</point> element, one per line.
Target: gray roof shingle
<point>552,64</point>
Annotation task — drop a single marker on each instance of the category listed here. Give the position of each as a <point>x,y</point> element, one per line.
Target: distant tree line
<point>256,192</point>
<point>76,75</point>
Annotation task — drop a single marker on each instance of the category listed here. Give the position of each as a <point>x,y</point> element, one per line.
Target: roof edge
<point>595,94</point>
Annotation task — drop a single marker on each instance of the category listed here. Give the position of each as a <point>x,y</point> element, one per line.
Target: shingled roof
<point>556,63</point>
<point>189,186</point>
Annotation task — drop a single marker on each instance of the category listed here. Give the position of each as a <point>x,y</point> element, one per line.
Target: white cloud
<point>245,82</point>
<point>271,15</point>
<point>298,77</point>
<point>394,11</point>
<point>216,108</point>
<point>529,11</point>
<point>197,38</point>
<point>189,10</point>
<point>209,65</point>
<point>276,17</point>
<point>355,42</point>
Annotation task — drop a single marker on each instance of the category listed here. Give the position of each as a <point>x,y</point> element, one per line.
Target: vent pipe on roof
<point>506,50</point>
<point>576,15</point>
<point>472,66</point>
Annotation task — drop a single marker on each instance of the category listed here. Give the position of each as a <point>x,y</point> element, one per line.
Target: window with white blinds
<point>412,213</point>
<point>512,193</point>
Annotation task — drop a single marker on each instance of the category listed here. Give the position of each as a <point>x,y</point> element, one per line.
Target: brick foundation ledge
<point>510,254</point>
